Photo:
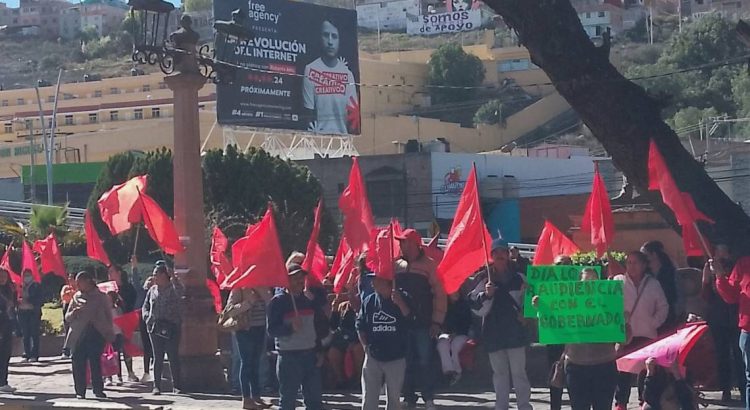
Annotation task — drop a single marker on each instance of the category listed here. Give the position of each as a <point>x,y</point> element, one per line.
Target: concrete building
<point>103,15</point>
<point>598,16</point>
<point>730,9</point>
<point>386,15</point>
<point>99,118</point>
<point>70,22</point>
<point>44,14</point>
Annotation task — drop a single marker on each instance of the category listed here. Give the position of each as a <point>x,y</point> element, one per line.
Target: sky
<point>14,3</point>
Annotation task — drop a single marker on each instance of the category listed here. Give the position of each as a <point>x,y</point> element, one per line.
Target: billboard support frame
<point>291,145</point>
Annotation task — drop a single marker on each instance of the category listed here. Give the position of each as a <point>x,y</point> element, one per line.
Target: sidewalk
<point>49,385</point>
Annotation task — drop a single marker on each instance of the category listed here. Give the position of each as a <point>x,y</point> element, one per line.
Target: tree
<point>237,189</point>
<point>45,219</point>
<point>491,113</point>
<point>451,66</point>
<point>198,5</point>
<point>619,113</point>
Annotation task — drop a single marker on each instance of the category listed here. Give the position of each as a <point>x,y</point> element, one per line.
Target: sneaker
<point>430,405</point>
<point>133,378</point>
<point>119,382</point>
<point>34,360</point>
<point>80,397</point>
<point>146,378</point>
<point>156,391</point>
<point>108,382</point>
<point>100,395</point>
<point>7,389</point>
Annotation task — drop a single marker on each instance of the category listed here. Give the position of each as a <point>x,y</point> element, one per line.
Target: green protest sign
<point>550,273</point>
<point>581,312</point>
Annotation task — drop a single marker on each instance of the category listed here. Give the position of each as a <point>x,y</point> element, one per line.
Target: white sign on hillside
<point>451,22</point>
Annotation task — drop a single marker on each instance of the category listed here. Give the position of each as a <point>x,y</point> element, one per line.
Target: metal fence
<point>526,249</point>
<point>21,212</point>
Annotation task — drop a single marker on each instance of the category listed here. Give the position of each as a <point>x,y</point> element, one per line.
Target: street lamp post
<point>186,71</point>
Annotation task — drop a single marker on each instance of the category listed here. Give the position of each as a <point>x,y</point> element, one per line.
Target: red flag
<point>597,219</point>
<point>260,251</point>
<point>552,243</point>
<point>659,178</point>
<point>397,231</point>
<point>120,206</point>
<point>354,205</point>
<point>220,264</point>
<point>342,266</point>
<point>128,322</point>
<point>94,248</point>
<point>691,242</point>
<point>213,288</point>
<point>5,264</point>
<point>49,251</point>
<point>315,259</point>
<point>160,226</point>
<point>29,262</point>
<point>433,251</point>
<point>469,243</point>
<point>384,256</point>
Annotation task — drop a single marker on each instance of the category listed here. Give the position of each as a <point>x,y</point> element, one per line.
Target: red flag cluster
<point>257,257</point>
<point>354,205</point>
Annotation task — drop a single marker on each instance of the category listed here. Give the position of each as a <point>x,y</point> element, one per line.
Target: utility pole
<point>32,154</point>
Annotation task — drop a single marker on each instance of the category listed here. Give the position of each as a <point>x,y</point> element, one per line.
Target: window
<point>146,88</point>
<point>29,124</point>
<point>114,90</point>
<point>67,96</point>
<point>162,86</point>
<point>588,15</point>
<point>4,103</point>
<point>155,112</point>
<point>138,114</point>
<point>69,120</point>
<point>97,93</point>
<point>518,64</point>
<point>602,14</point>
<point>114,115</point>
<point>51,99</point>
<point>93,118</point>
<point>20,101</point>
<point>386,188</point>
<point>8,128</point>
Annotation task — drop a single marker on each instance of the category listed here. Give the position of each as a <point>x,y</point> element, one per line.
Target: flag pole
<point>484,239</point>
<point>390,243</point>
<point>706,249</point>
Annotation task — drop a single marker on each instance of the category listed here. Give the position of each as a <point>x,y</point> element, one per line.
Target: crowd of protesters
<point>396,335</point>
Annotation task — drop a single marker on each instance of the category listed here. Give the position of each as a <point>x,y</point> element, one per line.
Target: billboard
<point>441,23</point>
<point>302,68</point>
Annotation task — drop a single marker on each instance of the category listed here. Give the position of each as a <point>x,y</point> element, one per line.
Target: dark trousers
<point>419,373</point>
<point>171,348</point>
<point>6,348</point>
<point>729,364</point>
<point>295,369</point>
<point>591,387</point>
<point>29,322</point>
<point>88,354</point>
<point>554,352</point>
<point>252,346</point>
<point>148,351</point>
<point>625,380</point>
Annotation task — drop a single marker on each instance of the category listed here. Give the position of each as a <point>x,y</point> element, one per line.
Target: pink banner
<point>673,347</point>
<point>107,287</point>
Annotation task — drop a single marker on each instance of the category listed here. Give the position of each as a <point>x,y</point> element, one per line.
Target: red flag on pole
<point>213,288</point>
<point>94,248</point>
<point>257,258</point>
<point>597,219</point>
<point>552,243</point>
<point>49,252</point>
<point>659,178</point>
<point>5,264</point>
<point>469,243</point>
<point>384,255</point>
<point>315,263</point>
<point>120,207</point>
<point>354,205</point>
<point>160,226</point>
<point>342,266</point>
<point>29,263</point>
<point>220,264</point>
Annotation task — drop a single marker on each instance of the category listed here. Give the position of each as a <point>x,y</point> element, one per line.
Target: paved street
<point>49,384</point>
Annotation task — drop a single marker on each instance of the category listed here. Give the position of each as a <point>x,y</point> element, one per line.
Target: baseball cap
<point>499,243</point>
<point>295,269</point>
<point>410,235</point>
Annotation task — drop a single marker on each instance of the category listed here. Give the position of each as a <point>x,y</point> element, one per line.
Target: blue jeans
<point>234,368</point>
<point>745,347</point>
<point>295,369</point>
<point>252,345</point>
<point>419,374</point>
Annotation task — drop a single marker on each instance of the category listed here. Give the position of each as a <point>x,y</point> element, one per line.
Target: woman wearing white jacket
<point>646,308</point>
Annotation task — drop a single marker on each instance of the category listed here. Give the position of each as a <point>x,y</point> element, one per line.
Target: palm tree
<point>46,218</point>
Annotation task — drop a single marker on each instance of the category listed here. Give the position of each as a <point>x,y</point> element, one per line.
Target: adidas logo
<point>384,328</point>
<point>381,317</point>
